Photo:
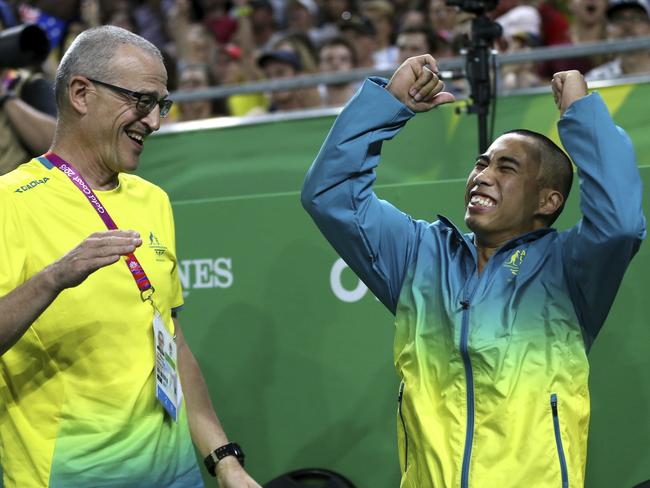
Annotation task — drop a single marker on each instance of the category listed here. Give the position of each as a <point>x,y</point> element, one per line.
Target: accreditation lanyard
<point>140,277</point>
<point>168,389</point>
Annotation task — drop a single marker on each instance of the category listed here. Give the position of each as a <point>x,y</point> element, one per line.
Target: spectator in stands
<point>27,113</point>
<point>337,55</point>
<point>255,26</point>
<point>194,77</point>
<point>588,20</point>
<point>27,116</point>
<point>215,17</point>
<point>413,17</point>
<point>625,18</point>
<point>193,43</point>
<point>149,17</point>
<point>443,19</point>
<point>415,41</point>
<point>520,75</point>
<point>588,24</point>
<point>280,64</point>
<point>300,44</point>
<point>521,31</point>
<point>381,14</point>
<point>302,16</point>
<point>521,19</point>
<point>418,40</point>
<point>234,69</point>
<point>555,25</point>
<point>403,6</point>
<point>362,35</point>
<point>332,12</point>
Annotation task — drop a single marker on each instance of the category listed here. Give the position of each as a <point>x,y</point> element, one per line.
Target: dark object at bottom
<point>643,484</point>
<point>313,477</point>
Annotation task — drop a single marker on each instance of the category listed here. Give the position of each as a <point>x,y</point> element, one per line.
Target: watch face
<point>231,449</point>
<point>238,453</point>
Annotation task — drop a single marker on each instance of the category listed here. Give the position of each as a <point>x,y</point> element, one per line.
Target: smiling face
<point>115,127</point>
<point>502,196</point>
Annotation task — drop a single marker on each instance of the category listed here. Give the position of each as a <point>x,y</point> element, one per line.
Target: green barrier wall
<point>301,377</point>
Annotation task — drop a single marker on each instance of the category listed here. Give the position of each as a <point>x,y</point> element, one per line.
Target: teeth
<point>482,201</point>
<point>135,136</point>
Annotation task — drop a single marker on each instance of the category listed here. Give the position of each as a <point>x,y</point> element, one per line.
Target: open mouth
<point>482,201</point>
<point>591,9</point>
<point>134,136</point>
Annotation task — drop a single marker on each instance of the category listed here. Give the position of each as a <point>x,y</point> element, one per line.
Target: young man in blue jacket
<point>492,327</point>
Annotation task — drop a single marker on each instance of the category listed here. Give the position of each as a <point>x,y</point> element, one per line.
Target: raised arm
<point>373,237</point>
<point>599,248</point>
<point>34,128</point>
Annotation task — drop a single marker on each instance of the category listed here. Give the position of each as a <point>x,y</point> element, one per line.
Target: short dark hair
<point>340,41</point>
<point>361,25</point>
<point>91,54</point>
<point>429,34</point>
<point>555,165</point>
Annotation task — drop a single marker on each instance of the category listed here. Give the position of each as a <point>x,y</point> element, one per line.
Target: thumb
<point>442,98</point>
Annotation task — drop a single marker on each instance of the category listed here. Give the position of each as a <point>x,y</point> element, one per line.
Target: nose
<point>483,177</point>
<point>152,119</point>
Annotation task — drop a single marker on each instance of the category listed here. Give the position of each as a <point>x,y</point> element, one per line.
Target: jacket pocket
<point>558,441</point>
<point>403,422</point>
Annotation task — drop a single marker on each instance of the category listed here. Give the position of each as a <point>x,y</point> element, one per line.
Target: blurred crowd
<point>218,42</point>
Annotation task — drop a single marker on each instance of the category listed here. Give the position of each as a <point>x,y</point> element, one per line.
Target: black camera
<point>23,46</point>
<point>479,58</point>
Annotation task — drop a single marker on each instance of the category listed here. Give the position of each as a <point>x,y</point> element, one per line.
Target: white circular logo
<point>342,293</point>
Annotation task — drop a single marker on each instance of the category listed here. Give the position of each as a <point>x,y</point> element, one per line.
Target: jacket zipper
<point>558,441</point>
<point>401,417</point>
<point>469,380</point>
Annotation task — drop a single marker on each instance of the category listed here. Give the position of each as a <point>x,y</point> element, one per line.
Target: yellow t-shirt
<point>78,390</point>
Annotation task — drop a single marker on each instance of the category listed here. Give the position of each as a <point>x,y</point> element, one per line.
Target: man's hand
<point>568,86</point>
<point>417,86</point>
<point>98,250</point>
<point>230,474</point>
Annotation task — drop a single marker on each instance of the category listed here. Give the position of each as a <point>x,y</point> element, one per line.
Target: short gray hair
<point>91,53</point>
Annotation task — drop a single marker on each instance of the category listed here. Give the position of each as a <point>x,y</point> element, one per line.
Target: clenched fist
<point>568,86</point>
<point>417,86</point>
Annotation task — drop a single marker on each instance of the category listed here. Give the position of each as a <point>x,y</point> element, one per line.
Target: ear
<point>549,202</point>
<point>78,90</point>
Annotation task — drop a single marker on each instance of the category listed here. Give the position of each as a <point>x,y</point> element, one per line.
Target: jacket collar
<point>468,239</point>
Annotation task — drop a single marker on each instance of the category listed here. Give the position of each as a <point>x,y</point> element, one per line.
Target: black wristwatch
<point>230,449</point>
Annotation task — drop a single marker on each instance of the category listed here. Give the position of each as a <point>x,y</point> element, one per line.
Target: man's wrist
<point>229,452</point>
<point>227,465</point>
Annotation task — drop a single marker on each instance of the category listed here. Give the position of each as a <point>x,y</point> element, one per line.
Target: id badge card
<point>167,384</point>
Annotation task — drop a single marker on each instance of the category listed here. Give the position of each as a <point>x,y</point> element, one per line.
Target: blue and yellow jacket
<point>494,370</point>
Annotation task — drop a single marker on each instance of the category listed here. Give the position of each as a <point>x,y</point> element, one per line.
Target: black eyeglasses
<point>144,102</point>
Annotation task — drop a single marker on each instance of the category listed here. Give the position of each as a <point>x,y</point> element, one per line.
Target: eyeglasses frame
<point>164,104</point>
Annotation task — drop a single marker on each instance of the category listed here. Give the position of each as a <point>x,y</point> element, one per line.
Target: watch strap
<point>230,449</point>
